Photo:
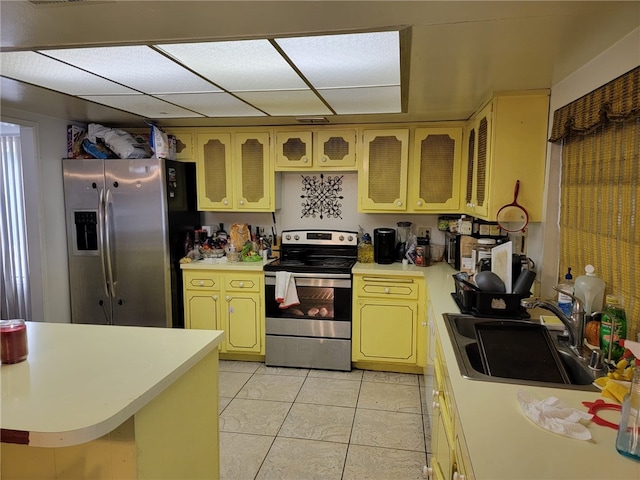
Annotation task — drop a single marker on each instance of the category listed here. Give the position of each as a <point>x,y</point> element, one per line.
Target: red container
<point>13,341</point>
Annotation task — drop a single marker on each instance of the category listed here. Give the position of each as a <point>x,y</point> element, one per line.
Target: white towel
<point>286,292</point>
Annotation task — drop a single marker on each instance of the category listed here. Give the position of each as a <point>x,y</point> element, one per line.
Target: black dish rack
<point>483,304</point>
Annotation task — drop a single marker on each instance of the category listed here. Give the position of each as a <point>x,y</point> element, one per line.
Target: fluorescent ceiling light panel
<point>287,102</point>
<point>246,65</point>
<point>351,60</point>
<point>363,100</point>
<point>32,67</point>
<point>143,105</point>
<point>139,67</point>
<point>213,104</point>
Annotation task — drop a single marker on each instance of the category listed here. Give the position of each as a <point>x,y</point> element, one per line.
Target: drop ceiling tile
<point>351,60</point>
<point>143,105</point>
<point>363,100</point>
<point>213,104</point>
<point>239,65</point>
<point>286,102</point>
<point>139,67</point>
<point>34,68</point>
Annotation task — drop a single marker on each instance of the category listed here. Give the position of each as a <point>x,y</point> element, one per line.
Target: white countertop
<point>503,443</point>
<point>243,266</point>
<point>80,382</point>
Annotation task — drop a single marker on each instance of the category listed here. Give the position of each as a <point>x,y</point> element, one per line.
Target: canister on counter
<point>13,341</point>
<point>423,252</point>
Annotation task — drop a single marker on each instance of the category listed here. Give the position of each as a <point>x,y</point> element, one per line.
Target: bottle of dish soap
<point>628,438</point>
<point>613,328</point>
<point>590,289</point>
<point>565,302</point>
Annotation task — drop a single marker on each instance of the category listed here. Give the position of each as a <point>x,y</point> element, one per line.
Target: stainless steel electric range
<point>316,332</point>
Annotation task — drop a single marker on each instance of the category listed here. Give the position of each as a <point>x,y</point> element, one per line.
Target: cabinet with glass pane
<point>333,150</point>
<point>382,179</point>
<point>435,169</point>
<point>235,171</point>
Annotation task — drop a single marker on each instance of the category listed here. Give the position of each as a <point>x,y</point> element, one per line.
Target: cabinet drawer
<point>386,287</point>
<point>245,283</point>
<point>200,281</point>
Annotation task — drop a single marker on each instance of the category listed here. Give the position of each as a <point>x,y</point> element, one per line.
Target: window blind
<point>600,189</point>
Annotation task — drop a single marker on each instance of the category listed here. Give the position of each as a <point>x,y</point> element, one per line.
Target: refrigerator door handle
<point>108,202</point>
<point>101,224</point>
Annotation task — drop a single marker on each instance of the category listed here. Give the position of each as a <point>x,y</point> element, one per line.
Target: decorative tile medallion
<point>321,197</point>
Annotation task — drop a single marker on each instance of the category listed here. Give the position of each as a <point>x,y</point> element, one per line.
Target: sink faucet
<point>574,323</point>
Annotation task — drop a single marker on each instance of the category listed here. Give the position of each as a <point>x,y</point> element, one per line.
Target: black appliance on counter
<point>384,245</point>
<point>317,332</point>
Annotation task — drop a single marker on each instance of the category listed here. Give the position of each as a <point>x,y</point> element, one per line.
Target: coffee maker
<point>384,245</point>
<point>404,230</point>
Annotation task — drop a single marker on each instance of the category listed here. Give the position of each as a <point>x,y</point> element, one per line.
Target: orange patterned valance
<point>616,101</point>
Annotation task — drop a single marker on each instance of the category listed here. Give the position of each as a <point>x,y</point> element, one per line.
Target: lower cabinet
<point>389,321</point>
<point>449,458</point>
<point>228,301</point>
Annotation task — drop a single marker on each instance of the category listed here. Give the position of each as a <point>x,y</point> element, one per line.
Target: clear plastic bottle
<point>365,249</point>
<point>565,302</point>
<point>590,289</point>
<point>628,438</point>
<point>613,328</point>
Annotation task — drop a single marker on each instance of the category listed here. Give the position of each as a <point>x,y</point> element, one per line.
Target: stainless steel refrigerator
<point>127,222</point>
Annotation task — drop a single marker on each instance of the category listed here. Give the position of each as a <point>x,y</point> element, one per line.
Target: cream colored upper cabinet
<point>185,143</point>
<point>435,170</point>
<point>254,173</point>
<point>477,168</point>
<point>235,171</point>
<point>316,150</point>
<point>214,172</point>
<point>506,141</point>
<point>335,149</point>
<point>382,178</point>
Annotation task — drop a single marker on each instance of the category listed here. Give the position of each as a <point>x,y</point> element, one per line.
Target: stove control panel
<point>319,237</point>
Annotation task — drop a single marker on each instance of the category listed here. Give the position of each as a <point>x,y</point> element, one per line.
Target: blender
<point>404,230</point>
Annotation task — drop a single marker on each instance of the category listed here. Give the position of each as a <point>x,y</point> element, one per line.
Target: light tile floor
<point>299,424</point>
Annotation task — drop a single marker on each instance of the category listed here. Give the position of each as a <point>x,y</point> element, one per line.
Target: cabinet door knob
<point>324,159</point>
<point>419,203</point>
<point>458,476</point>
<point>241,202</point>
<point>215,297</point>
<point>227,298</point>
<point>241,284</point>
<point>435,393</point>
<point>305,160</point>
<point>201,283</point>
<point>225,201</point>
<point>399,204</point>
<point>436,405</point>
<point>427,472</point>
<point>386,290</point>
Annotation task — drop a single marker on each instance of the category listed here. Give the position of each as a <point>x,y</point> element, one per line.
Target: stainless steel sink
<point>462,332</point>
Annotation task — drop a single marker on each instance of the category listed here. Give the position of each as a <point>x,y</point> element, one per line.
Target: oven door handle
<point>332,276</point>
<point>309,280</point>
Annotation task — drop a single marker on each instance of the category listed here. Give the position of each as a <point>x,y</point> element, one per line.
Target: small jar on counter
<point>13,341</point>
<point>482,250</point>
<point>365,249</point>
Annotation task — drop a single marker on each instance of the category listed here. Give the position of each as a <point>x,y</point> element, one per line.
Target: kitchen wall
<point>48,239</point>
<point>345,217</point>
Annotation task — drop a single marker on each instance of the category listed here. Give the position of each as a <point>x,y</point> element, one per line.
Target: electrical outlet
<point>423,232</point>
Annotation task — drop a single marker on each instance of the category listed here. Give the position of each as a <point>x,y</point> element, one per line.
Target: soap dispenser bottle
<point>590,289</point>
<point>565,302</point>
<point>628,438</point>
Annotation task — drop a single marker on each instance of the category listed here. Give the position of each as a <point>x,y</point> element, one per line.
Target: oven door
<point>316,333</point>
<point>322,297</point>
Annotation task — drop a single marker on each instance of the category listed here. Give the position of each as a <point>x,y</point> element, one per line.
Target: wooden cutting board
<point>501,263</point>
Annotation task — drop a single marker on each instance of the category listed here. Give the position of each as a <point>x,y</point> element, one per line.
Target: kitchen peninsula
<point>95,401</point>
